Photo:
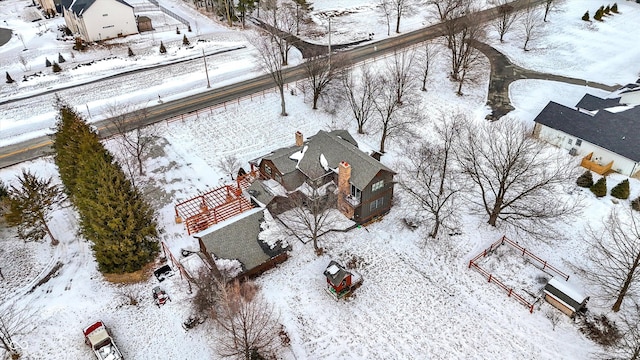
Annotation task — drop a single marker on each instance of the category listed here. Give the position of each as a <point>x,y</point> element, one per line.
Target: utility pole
<point>206,71</point>
<point>329,42</point>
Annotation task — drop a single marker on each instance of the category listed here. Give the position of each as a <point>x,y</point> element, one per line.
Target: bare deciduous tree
<point>280,23</point>
<point>360,92</point>
<point>506,17</point>
<point>445,10</point>
<point>207,294</point>
<point>15,321</point>
<point>430,177</point>
<point>24,62</point>
<point>271,62</point>
<point>461,32</point>
<point>387,9</point>
<point>530,25</point>
<point>628,347</point>
<point>229,164</point>
<point>249,325</point>
<point>320,73</point>
<point>136,140</point>
<point>399,71</point>
<point>312,211</point>
<point>401,8</point>
<point>517,179</point>
<point>549,5</point>
<point>615,255</point>
<point>425,58</point>
<point>393,118</point>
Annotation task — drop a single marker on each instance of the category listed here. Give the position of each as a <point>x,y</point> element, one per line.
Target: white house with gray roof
<point>96,20</point>
<point>364,185</point>
<point>609,129</point>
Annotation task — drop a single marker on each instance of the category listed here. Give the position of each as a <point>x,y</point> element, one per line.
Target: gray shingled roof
<point>237,238</point>
<point>591,103</point>
<point>79,6</point>
<point>616,132</point>
<point>336,146</point>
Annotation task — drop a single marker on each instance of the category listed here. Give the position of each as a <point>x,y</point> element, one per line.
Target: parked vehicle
<point>97,336</point>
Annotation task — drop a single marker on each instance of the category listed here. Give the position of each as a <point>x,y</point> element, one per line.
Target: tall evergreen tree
<point>113,214</point>
<point>30,207</point>
<point>9,78</point>
<point>614,8</point>
<point>162,48</point>
<point>185,41</point>
<point>60,58</point>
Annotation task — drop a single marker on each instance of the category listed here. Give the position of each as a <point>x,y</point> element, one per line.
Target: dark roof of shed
<point>336,146</point>
<point>591,103</point>
<point>336,278</point>
<point>79,6</point>
<point>617,132</point>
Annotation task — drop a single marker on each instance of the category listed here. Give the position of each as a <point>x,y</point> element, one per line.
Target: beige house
<point>96,20</point>
<point>47,5</point>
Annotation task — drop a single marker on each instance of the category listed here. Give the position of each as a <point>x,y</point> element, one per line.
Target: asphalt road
<point>5,36</point>
<point>41,146</point>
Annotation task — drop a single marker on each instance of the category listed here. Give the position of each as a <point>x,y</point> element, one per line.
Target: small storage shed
<point>562,296</point>
<point>338,279</point>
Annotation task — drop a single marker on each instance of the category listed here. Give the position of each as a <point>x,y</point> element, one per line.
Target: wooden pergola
<point>214,206</point>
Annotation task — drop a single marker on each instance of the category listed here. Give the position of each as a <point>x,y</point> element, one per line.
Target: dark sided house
<point>363,184</point>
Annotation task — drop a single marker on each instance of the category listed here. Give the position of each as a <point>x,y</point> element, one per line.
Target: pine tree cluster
<point>113,215</point>
<point>621,191</point>
<point>599,189</point>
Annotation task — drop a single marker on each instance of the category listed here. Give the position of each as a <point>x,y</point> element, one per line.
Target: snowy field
<point>418,300</point>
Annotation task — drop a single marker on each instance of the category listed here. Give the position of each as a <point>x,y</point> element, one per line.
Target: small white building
<point>96,20</point>
<point>564,297</point>
<point>606,132</point>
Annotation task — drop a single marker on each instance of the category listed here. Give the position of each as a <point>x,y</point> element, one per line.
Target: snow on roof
<point>298,155</point>
<point>567,289</point>
<point>324,162</point>
<point>333,269</point>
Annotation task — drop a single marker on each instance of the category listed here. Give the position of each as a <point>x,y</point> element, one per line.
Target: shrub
<point>600,329</point>
<point>163,49</point>
<point>189,26</point>
<point>130,51</point>
<point>177,31</point>
<point>60,58</point>
<point>79,45</point>
<point>635,204</point>
<point>185,41</point>
<point>56,68</point>
<point>598,15</point>
<point>585,17</point>
<point>614,8</point>
<point>585,180</point>
<point>621,191</point>
<point>9,78</point>
<point>599,189</point>
<point>47,63</point>
<point>607,10</point>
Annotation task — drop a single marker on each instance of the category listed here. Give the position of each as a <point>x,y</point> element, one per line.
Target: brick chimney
<point>344,189</point>
<point>299,138</point>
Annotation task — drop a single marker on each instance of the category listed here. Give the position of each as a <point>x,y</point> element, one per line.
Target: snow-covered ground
<point>418,299</point>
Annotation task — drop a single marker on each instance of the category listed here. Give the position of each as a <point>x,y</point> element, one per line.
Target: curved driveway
<point>5,36</point>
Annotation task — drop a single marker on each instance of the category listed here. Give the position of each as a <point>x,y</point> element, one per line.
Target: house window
<point>570,141</point>
<point>355,192</point>
<point>377,186</point>
<point>267,169</point>
<point>578,142</point>
<point>376,204</point>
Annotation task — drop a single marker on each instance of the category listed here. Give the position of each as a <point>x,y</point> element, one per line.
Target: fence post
<point>490,277</point>
<point>510,291</point>
<point>470,263</point>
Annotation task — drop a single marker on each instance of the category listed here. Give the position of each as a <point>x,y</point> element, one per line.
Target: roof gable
<point>78,7</point>
<point>591,103</point>
<point>334,147</point>
<point>617,132</point>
